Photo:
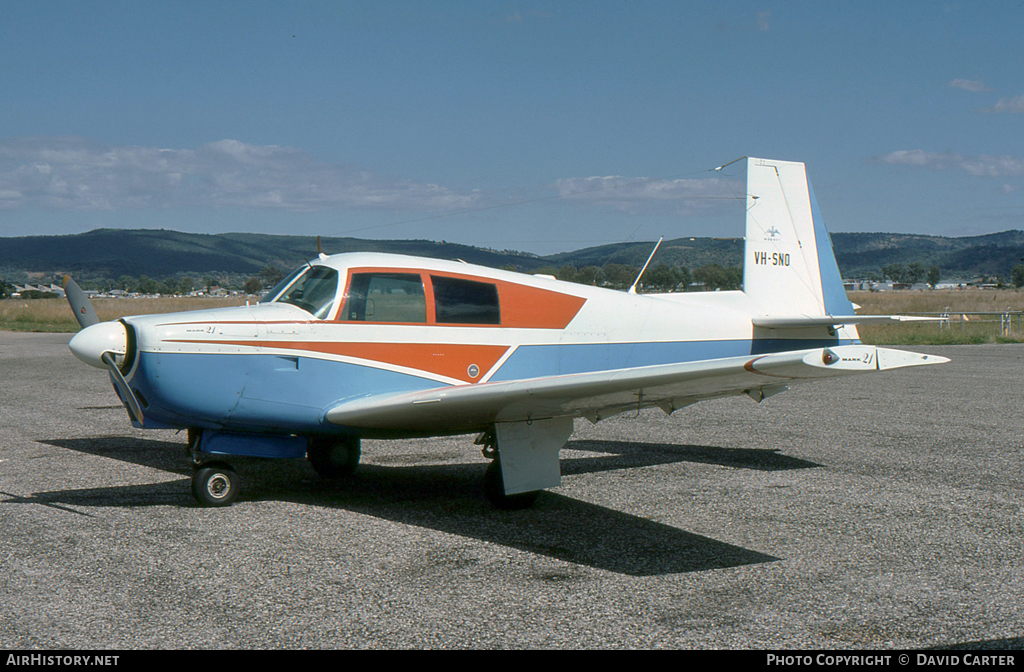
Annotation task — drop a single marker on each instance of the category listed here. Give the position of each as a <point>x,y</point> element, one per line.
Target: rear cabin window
<point>460,301</point>
<point>385,297</point>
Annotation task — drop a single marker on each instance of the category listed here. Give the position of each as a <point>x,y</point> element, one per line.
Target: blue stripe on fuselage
<point>289,394</point>
<point>534,361</point>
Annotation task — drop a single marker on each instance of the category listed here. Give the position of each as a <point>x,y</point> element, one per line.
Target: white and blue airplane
<point>364,345</point>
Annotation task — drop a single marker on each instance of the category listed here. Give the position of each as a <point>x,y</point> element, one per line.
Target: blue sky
<point>539,126</point>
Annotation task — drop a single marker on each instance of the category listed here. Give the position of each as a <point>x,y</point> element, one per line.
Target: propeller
<point>98,343</point>
<point>125,392</point>
<point>84,312</point>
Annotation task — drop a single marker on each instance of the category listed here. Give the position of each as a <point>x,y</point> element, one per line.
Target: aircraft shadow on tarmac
<point>627,455</point>
<point>613,455</point>
<point>1004,644</point>
<point>449,498</point>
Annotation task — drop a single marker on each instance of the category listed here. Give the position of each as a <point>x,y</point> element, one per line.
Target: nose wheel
<point>215,484</point>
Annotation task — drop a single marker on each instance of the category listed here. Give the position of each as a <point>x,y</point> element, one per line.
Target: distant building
<point>42,289</point>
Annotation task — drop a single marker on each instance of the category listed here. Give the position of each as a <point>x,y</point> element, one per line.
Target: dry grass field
<point>55,315</point>
<point>937,300</point>
<point>961,329</point>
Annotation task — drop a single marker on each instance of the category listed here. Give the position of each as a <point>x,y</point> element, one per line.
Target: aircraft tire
<point>215,484</point>
<point>334,457</point>
<point>494,490</point>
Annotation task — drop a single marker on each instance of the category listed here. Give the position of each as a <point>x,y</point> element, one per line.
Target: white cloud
<point>972,85</point>
<point>1012,105</point>
<point>76,174</point>
<point>630,193</point>
<point>982,164</point>
<point>763,21</point>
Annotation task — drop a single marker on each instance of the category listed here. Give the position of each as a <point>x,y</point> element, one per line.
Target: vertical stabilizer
<point>789,267</point>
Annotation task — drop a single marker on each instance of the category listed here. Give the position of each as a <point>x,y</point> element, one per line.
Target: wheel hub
<point>218,487</point>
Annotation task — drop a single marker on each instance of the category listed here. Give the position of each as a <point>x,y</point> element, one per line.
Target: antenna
<point>725,165</point>
<point>632,290</point>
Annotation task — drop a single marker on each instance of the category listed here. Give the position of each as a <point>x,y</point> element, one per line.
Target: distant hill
<point>858,254</point>
<point>111,253</point>
<point>689,252</point>
<point>994,254</point>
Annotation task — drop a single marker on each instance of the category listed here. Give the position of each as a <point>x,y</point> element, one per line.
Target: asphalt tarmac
<point>874,512</point>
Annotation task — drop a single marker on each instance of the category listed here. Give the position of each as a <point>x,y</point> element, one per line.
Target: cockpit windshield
<point>311,288</point>
<point>280,287</point>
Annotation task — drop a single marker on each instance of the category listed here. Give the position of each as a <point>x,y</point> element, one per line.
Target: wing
<point>466,408</point>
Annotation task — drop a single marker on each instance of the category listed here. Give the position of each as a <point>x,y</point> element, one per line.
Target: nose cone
<point>90,343</point>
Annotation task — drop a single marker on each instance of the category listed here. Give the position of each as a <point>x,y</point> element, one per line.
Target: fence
<point>1009,320</point>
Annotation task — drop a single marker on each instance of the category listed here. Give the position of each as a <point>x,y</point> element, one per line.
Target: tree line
<point>658,278</point>
<point>915,272</point>
<point>170,286</point>
<point>912,273</point>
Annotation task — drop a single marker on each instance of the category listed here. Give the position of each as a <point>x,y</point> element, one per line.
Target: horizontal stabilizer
<point>803,322</point>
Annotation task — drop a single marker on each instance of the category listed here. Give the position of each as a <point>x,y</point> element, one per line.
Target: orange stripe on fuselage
<point>526,307</point>
<point>452,360</point>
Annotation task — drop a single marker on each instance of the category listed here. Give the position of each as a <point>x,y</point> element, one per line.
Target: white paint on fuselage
<point>607,317</point>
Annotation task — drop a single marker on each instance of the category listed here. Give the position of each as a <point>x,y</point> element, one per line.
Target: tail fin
<point>789,268</point>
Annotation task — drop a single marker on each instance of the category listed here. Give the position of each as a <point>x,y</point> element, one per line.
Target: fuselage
<point>356,325</point>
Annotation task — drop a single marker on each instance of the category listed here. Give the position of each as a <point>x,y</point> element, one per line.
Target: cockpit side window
<point>314,291</point>
<point>385,297</point>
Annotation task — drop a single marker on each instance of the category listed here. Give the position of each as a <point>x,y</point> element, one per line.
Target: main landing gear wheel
<point>334,457</point>
<point>215,484</point>
<point>494,490</point>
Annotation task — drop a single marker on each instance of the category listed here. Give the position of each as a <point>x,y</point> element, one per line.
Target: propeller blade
<point>126,393</point>
<point>84,312</point>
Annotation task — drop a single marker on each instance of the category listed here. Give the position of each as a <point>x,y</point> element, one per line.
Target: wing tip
<point>897,359</point>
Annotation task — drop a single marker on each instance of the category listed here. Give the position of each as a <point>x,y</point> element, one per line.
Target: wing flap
<point>466,408</point>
